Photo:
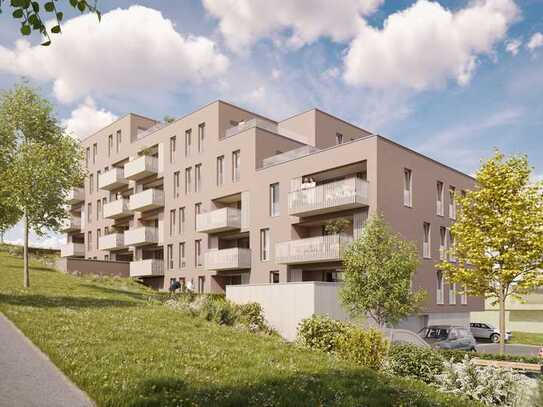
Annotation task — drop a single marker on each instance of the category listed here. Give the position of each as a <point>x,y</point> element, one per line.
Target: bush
<point>366,347</point>
<point>320,332</point>
<point>459,355</point>
<point>251,316</point>
<point>217,309</point>
<point>409,360</point>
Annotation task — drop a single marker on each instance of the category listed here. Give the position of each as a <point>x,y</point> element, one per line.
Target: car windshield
<point>437,333</point>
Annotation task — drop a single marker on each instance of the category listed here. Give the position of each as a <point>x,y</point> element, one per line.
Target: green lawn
<point>527,338</point>
<point>124,348</point>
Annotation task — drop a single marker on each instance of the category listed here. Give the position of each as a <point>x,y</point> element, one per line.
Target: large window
<point>274,199</point>
<point>94,152</point>
<point>220,170</point>
<point>452,293</point>
<point>98,235</point>
<point>89,212</point>
<point>98,209</point>
<point>176,184</point>
<point>236,166</point>
<point>118,140</point>
<point>439,287</point>
<point>439,198</point>
<point>198,253</point>
<point>264,244</point>
<point>87,157</point>
<point>109,145</point>
<point>91,183</point>
<point>452,202</point>
<point>274,276</point>
<point>201,137</point>
<point>188,142</point>
<point>201,284</point>
<point>169,255</point>
<point>89,240</point>
<point>182,260</point>
<point>181,220</point>
<point>172,149</point>
<point>442,243</point>
<point>197,177</point>
<point>407,187</point>
<point>197,211</point>
<point>452,256</point>
<point>172,221</point>
<point>188,180</point>
<point>339,138</point>
<point>464,296</point>
<point>426,244</point>
<point>97,180</point>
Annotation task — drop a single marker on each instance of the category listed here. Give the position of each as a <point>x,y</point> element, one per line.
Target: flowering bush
<point>415,361</point>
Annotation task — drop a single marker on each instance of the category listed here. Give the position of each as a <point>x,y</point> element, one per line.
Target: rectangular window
<point>439,287</point>
<point>176,184</point>
<point>89,212</point>
<point>172,149</point>
<point>201,137</point>
<point>109,144</point>
<point>94,152</point>
<point>106,257</point>
<point>98,209</point>
<point>118,140</point>
<point>464,296</point>
<point>188,180</point>
<point>87,157</point>
<point>426,244</point>
<point>104,202</point>
<point>98,235</point>
<point>452,293</point>
<point>452,203</point>
<point>201,284</point>
<point>274,199</point>
<point>442,243</point>
<point>106,231</point>
<point>188,142</point>
<point>439,198</point>
<point>197,211</point>
<point>220,170</point>
<point>172,221</point>
<point>91,183</point>
<point>264,244</point>
<point>198,253</point>
<point>339,138</point>
<point>236,166</point>
<point>97,180</point>
<point>197,177</point>
<point>407,188</point>
<point>182,261</point>
<point>182,220</point>
<point>169,256</point>
<point>274,276</point>
<point>89,240</point>
<point>452,256</point>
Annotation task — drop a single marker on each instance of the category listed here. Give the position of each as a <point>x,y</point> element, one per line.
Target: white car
<point>482,330</point>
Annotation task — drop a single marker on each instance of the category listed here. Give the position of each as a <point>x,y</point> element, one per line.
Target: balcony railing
<point>256,122</point>
<point>75,196</point>
<point>146,200</point>
<point>73,250</point>
<point>113,179</point>
<point>334,196</point>
<point>141,236</point>
<point>147,268</point>
<point>219,220</point>
<point>141,167</point>
<point>114,241</point>
<point>312,250</point>
<point>117,209</point>
<point>71,224</point>
<point>228,259</point>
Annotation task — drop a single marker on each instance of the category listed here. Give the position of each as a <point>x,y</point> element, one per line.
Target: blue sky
<point>451,79</point>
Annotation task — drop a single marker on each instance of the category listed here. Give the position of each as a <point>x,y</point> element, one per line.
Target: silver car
<point>448,337</point>
<point>482,330</point>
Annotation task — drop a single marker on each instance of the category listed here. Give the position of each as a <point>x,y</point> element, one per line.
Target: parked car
<point>448,337</point>
<point>486,331</point>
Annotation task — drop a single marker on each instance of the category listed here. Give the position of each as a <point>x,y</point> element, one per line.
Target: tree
<point>30,14</point>
<point>498,234</point>
<point>377,269</point>
<point>42,165</point>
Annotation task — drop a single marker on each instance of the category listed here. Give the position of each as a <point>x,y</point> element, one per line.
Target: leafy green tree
<point>31,15</point>
<point>42,164</point>
<point>377,269</point>
<point>498,234</point>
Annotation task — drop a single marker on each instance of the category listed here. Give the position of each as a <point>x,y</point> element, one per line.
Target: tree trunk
<point>26,276</point>
<point>502,322</point>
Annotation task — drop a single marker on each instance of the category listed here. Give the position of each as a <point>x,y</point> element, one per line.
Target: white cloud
<point>87,119</point>
<point>512,46</point>
<point>276,73</point>
<point>49,241</point>
<point>535,42</point>
<point>134,50</point>
<point>426,44</point>
<point>243,22</point>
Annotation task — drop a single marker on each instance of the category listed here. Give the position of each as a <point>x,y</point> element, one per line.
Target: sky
<point>450,79</point>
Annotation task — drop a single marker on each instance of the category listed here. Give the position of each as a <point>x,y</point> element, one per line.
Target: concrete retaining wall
<point>93,267</point>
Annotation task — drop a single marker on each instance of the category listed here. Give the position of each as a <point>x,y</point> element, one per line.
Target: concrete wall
<point>286,304</point>
<point>93,267</point>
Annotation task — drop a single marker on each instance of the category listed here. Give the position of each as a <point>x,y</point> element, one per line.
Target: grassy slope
<point>527,338</point>
<point>127,350</point>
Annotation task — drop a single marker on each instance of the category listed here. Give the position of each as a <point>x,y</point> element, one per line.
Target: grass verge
<point>527,338</point>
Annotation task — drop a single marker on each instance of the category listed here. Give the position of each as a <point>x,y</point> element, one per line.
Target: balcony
<point>113,179</point>
<point>75,196</point>
<point>228,259</point>
<point>114,241</point>
<point>141,167</point>
<point>147,268</point>
<point>71,224</point>
<point>312,250</point>
<point>141,236</point>
<point>335,196</point>
<point>117,209</point>
<point>73,250</point>
<point>146,200</point>
<point>219,220</point>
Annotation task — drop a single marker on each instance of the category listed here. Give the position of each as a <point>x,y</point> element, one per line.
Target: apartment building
<point>224,196</point>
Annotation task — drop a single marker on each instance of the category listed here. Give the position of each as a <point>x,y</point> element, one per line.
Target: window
<point>197,211</point>
<point>236,166</point>
<point>94,152</point>
<point>201,284</point>
<point>188,180</point>
<point>274,276</point>
<point>274,199</point>
<point>109,144</point>
<point>201,137</point>
<point>87,157</point>
<point>442,243</point>
<point>439,288</point>
<point>98,209</point>
<point>182,261</point>
<point>172,149</point>
<point>451,247</point>
<point>172,221</point>
<point>220,170</point>
<point>106,257</point>
<point>339,138</point>
<point>464,296</point>
<point>98,235</point>
<point>264,244</point>
<point>439,198</point>
<point>89,240</point>
<point>197,177</point>
<point>106,231</point>
<point>176,184</point>
<point>169,254</point>
<point>198,253</point>
<point>89,212</point>
<point>104,202</point>
<point>188,142</point>
<point>426,248</point>
<point>407,188</point>
<point>91,183</point>
<point>118,140</point>
<point>452,293</point>
<point>452,203</point>
<point>181,220</point>
<point>97,180</point>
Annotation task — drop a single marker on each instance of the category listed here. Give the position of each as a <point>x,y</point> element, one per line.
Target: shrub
<point>415,361</point>
<point>217,309</point>
<point>251,316</point>
<point>459,355</point>
<point>320,332</point>
<point>15,251</point>
<point>366,347</point>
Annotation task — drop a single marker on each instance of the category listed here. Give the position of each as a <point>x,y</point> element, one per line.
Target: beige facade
<point>223,196</point>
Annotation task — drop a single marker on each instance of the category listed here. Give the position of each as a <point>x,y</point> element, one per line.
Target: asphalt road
<point>519,350</point>
<point>28,378</point>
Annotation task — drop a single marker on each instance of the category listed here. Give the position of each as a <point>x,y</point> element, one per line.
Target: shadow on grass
<point>118,291</point>
<point>32,268</point>
<point>43,301</point>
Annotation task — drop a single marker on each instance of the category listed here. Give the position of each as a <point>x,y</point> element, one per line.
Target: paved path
<point>28,378</point>
<point>513,349</point>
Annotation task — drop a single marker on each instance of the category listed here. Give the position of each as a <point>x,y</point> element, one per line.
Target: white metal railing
<point>140,167</point>
<point>116,209</point>
<point>255,122</point>
<point>76,195</point>
<point>111,241</point>
<point>426,250</point>
<point>147,198</point>
<point>140,236</point>
<point>337,193</point>
<point>289,155</point>
<point>407,198</point>
<point>152,129</point>
<point>219,219</point>
<point>71,223</point>
<point>226,259</point>
<point>147,268</point>
<point>72,249</point>
<point>112,179</point>
<point>439,208</point>
<point>314,249</point>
